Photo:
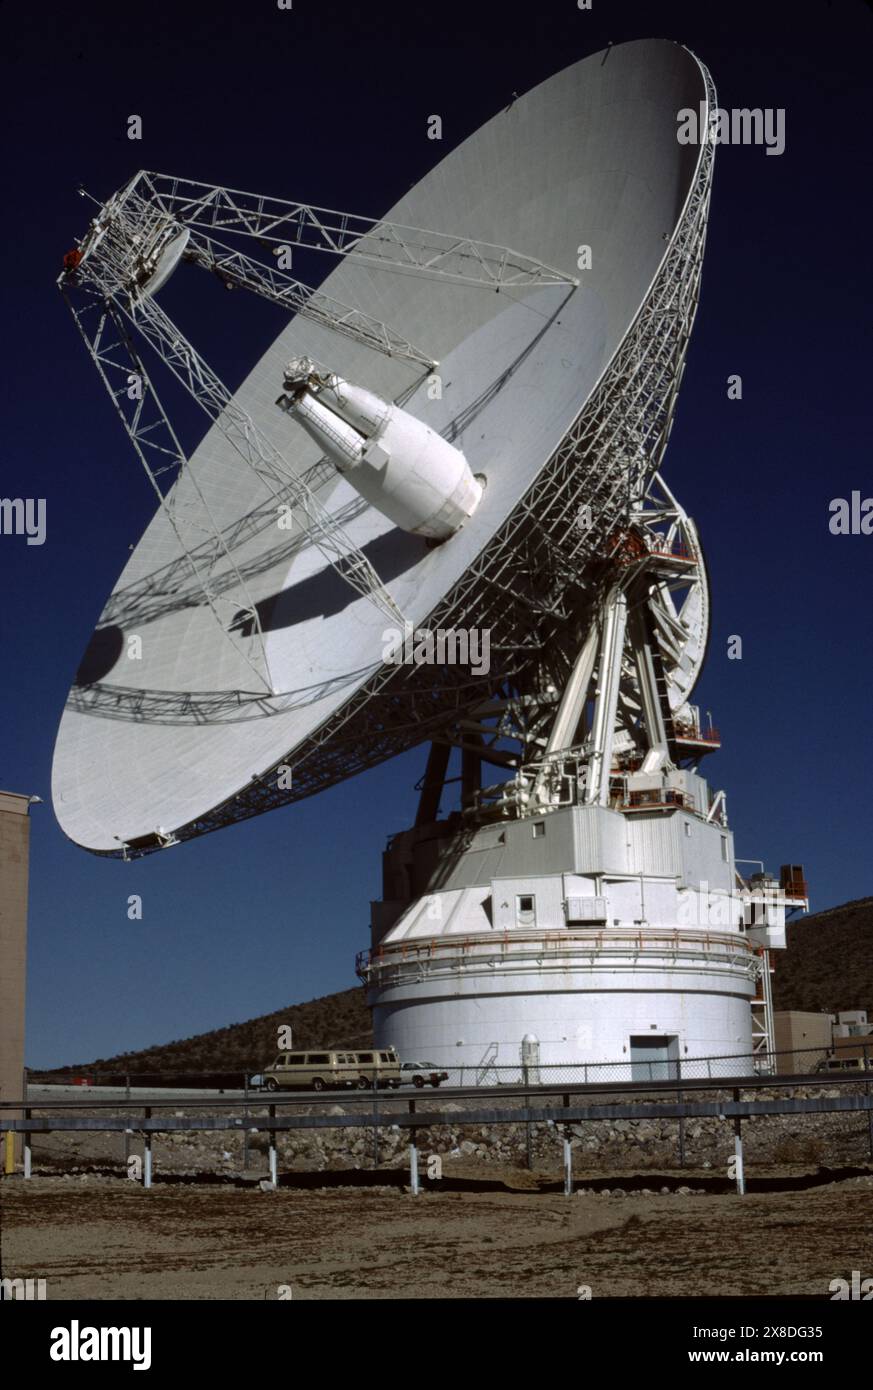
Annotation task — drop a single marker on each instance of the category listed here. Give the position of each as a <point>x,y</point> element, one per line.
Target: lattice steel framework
<point>130,225</point>
<point>253,447</point>
<point>115,355</point>
<point>391,245</point>
<point>237,270</point>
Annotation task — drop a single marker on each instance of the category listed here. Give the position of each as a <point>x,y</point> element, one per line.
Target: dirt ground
<point>512,1234</point>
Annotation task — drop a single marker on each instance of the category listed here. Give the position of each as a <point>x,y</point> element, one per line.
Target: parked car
<point>421,1074</point>
<point>841,1064</point>
<point>333,1070</point>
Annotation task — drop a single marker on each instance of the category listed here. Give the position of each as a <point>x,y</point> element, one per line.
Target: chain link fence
<point>493,1073</point>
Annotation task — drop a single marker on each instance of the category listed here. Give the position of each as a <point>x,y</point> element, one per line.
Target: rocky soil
<point>105,1238</point>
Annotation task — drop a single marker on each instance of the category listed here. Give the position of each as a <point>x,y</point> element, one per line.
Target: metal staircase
<point>763,1029</point>
<point>487,1067</point>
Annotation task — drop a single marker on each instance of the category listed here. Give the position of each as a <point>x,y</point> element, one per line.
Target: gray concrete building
<point>802,1039</point>
<point>14,866</point>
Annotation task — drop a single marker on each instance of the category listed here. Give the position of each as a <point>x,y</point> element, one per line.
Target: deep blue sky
<point>329,102</point>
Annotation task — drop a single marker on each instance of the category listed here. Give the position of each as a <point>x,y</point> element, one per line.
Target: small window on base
<point>525,909</point>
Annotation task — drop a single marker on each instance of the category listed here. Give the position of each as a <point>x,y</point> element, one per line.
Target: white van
<point>333,1070</point>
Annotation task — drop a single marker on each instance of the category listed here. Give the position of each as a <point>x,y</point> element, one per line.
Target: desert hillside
<point>336,1019</point>
<point>828,966</point>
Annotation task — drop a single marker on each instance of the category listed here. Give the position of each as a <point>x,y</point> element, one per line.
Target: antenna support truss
<point>390,245</point>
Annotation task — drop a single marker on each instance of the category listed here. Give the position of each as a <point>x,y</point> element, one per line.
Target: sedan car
<point>421,1074</point>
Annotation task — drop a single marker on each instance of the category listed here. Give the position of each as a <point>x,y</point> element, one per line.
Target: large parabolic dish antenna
<point>266,589</point>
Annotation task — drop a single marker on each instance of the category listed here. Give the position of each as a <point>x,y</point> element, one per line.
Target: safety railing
<point>417,957</point>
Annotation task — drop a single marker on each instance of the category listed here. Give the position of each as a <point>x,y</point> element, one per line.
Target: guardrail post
<point>869,1112</point>
<point>28,1151</point>
<point>127,1131</point>
<point>681,1133</point>
<point>274,1166</point>
<point>246,1125</point>
<point>147,1163</point>
<point>568,1165</point>
<point>568,1155</point>
<point>413,1155</point>
<point>738,1152</point>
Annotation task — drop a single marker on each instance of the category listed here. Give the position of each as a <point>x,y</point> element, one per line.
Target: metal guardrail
<point>401,1113</point>
<point>85,1101</point>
